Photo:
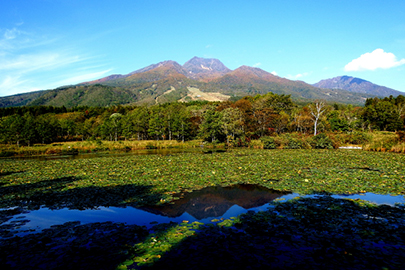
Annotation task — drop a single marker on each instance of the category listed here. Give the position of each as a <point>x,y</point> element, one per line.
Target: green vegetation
<point>324,231</point>
<point>277,151</point>
<point>234,123</point>
<point>303,233</point>
<point>302,171</point>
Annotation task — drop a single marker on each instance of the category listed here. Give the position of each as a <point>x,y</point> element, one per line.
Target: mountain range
<point>197,79</point>
<point>357,85</point>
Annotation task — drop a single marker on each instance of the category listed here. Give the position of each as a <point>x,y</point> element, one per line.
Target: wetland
<point>256,208</point>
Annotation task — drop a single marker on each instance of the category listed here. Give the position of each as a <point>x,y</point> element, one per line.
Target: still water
<point>203,205</point>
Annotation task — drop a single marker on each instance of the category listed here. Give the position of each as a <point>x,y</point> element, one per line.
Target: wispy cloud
<point>11,33</point>
<point>28,62</point>
<point>257,64</point>
<point>36,61</point>
<point>298,76</point>
<point>374,60</point>
<point>10,82</point>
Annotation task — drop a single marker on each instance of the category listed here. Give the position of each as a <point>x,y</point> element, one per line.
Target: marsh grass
<point>375,141</point>
<point>384,141</point>
<point>325,232</point>
<point>93,146</point>
<point>298,170</point>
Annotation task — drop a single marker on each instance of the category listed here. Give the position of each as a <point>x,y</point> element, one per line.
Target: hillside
<point>357,85</point>
<point>197,79</point>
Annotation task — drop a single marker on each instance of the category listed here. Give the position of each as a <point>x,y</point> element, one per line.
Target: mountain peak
<point>203,68</point>
<point>356,85</point>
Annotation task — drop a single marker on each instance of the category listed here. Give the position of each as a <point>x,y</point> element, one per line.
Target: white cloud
<point>298,76</point>
<point>257,64</point>
<point>11,33</point>
<point>274,73</point>
<point>374,60</point>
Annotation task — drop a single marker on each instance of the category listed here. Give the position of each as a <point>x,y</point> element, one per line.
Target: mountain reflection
<point>216,201</point>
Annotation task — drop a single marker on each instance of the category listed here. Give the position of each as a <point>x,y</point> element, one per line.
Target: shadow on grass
<point>2,183</point>
<point>9,173</point>
<point>71,245</point>
<point>60,193</point>
<point>308,233</point>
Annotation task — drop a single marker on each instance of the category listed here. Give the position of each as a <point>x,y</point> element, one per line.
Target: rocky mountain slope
<point>357,85</point>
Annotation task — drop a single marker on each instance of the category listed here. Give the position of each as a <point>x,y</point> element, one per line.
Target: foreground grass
<point>152,179</point>
<point>305,226</point>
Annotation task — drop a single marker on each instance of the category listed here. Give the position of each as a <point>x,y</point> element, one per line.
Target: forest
<point>249,118</point>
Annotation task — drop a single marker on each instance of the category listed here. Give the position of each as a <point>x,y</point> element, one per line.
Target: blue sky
<point>45,44</point>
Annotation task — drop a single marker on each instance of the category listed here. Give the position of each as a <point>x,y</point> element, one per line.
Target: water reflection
<point>140,152</point>
<point>374,198</point>
<point>216,201</point>
<point>202,205</point>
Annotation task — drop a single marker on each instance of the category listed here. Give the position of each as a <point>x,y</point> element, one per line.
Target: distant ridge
<point>357,85</point>
<point>198,79</point>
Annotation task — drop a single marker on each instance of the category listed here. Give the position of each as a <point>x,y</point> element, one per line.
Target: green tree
<point>383,115</point>
<point>232,123</point>
<point>139,119</point>
<point>47,128</point>
<point>12,129</point>
<point>89,127</point>
<point>210,128</point>
<point>157,123</point>
<point>337,122</point>
<point>116,124</point>
<point>180,121</point>
<point>30,131</point>
<point>106,129</point>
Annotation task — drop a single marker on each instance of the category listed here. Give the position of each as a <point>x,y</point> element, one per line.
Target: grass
<point>93,146</point>
<point>301,171</point>
<point>380,141</point>
<point>303,233</point>
<point>348,233</point>
<point>384,141</point>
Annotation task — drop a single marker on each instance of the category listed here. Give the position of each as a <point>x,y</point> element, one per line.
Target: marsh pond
<point>334,208</point>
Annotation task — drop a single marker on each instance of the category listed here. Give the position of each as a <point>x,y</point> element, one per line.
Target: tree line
<point>245,119</point>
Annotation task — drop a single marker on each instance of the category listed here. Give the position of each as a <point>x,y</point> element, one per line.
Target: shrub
<point>401,136</point>
<point>241,142</point>
<point>7,153</point>
<point>359,137</point>
<point>69,151</point>
<point>268,142</point>
<point>294,143</point>
<point>321,141</point>
<point>151,146</point>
